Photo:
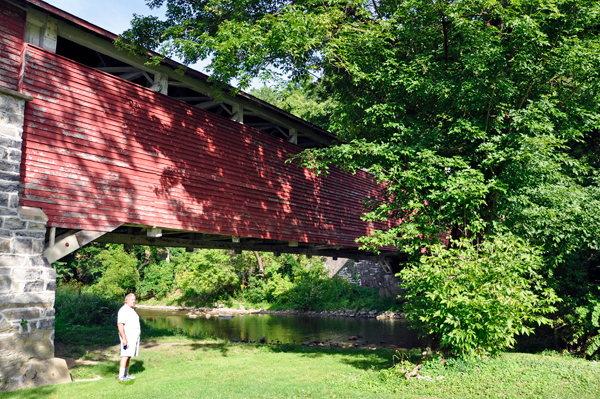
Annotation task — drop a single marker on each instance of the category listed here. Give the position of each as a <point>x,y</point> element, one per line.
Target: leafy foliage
<point>76,308</point>
<point>120,275</point>
<point>471,300</point>
<point>479,117</point>
<point>205,274</point>
<point>307,100</point>
<point>158,280</point>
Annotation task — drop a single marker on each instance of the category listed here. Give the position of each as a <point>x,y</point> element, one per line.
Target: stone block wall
<point>366,274</point>
<point>27,280</point>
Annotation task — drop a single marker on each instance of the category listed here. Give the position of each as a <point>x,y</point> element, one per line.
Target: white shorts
<point>133,347</point>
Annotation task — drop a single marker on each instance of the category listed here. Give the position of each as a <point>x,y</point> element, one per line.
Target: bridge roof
<point>144,155</point>
<point>320,137</point>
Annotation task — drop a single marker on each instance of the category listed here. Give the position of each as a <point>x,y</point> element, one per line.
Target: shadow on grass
<point>112,368</point>
<point>31,393</point>
<point>101,338</point>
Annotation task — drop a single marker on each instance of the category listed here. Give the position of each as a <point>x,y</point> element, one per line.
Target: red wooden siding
<point>12,34</point>
<point>99,151</point>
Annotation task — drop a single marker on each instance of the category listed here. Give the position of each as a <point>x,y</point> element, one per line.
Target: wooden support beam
<point>41,30</point>
<point>161,83</point>
<point>104,46</point>
<point>119,69</point>
<point>206,104</point>
<point>226,242</point>
<point>70,243</point>
<point>49,35</point>
<point>52,236</point>
<point>131,75</point>
<point>293,137</point>
<point>191,98</point>
<point>154,232</point>
<point>238,113</point>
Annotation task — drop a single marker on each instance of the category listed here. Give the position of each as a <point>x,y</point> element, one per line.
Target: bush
<point>158,280</point>
<point>76,308</point>
<point>471,300</point>
<point>207,274</point>
<point>120,275</point>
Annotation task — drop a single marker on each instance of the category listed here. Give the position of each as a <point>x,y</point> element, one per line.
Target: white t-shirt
<point>130,320</point>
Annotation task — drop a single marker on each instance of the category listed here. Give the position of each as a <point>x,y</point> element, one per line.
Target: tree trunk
<point>261,269</point>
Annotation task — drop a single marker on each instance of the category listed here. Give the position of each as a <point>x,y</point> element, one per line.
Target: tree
<point>480,117</point>
<point>306,100</point>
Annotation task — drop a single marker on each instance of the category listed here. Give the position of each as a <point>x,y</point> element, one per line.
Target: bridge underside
<point>129,234</point>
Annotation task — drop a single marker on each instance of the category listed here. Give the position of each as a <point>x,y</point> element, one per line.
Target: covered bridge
<point>95,145</point>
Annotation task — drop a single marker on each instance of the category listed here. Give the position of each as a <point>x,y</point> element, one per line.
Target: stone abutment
<point>27,280</point>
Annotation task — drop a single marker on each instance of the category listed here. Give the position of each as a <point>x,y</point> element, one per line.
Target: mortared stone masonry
<point>27,280</point>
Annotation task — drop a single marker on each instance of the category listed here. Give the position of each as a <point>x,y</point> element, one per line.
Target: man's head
<point>130,300</point>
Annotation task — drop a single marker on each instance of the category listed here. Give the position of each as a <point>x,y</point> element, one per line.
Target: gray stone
<point>10,131</point>
<point>10,143</point>
<point>4,246</point>
<point>4,201</point>
<point>51,274</point>
<point>5,285</point>
<point>36,226</point>
<point>39,235</point>
<point>42,299</point>
<point>48,312</point>
<point>6,187</point>
<point>22,314</point>
<point>35,335</point>
<point>37,373</point>
<point>46,324</point>
<point>34,286</point>
<point>28,274</point>
<point>15,155</point>
<point>6,233</point>
<point>13,260</point>
<point>39,261</point>
<point>14,224</point>
<point>6,271</point>
<point>38,246</point>
<point>8,211</point>
<point>7,327</point>
<point>22,246</point>
<point>9,166</point>
<point>51,286</point>
<point>14,201</point>
<point>10,104</point>
<point>10,351</point>
<point>32,213</point>
<point>11,119</point>
<point>11,177</point>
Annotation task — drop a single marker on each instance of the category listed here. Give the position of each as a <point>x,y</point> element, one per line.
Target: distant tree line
<point>205,277</point>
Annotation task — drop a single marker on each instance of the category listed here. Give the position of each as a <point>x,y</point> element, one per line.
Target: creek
<point>289,329</point>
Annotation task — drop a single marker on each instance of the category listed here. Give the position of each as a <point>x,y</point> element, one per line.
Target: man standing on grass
<point>128,323</point>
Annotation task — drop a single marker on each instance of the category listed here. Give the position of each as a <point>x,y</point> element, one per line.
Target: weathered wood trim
<point>70,243</point>
<point>15,94</point>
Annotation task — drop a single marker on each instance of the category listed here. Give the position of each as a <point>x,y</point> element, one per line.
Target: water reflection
<point>287,328</point>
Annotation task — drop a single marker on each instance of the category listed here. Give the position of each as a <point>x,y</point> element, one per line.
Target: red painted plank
<point>93,159</point>
<point>12,29</point>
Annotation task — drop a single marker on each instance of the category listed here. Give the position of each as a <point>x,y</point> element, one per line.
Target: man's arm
<point>121,328</point>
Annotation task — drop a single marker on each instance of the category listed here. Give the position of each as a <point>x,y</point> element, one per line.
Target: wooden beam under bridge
<point>140,235</point>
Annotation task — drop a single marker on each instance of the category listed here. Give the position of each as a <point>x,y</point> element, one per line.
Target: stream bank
<point>194,312</point>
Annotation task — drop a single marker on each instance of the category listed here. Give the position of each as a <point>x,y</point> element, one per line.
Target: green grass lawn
<point>180,367</point>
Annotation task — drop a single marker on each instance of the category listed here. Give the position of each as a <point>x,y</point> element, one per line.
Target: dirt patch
<point>80,356</point>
